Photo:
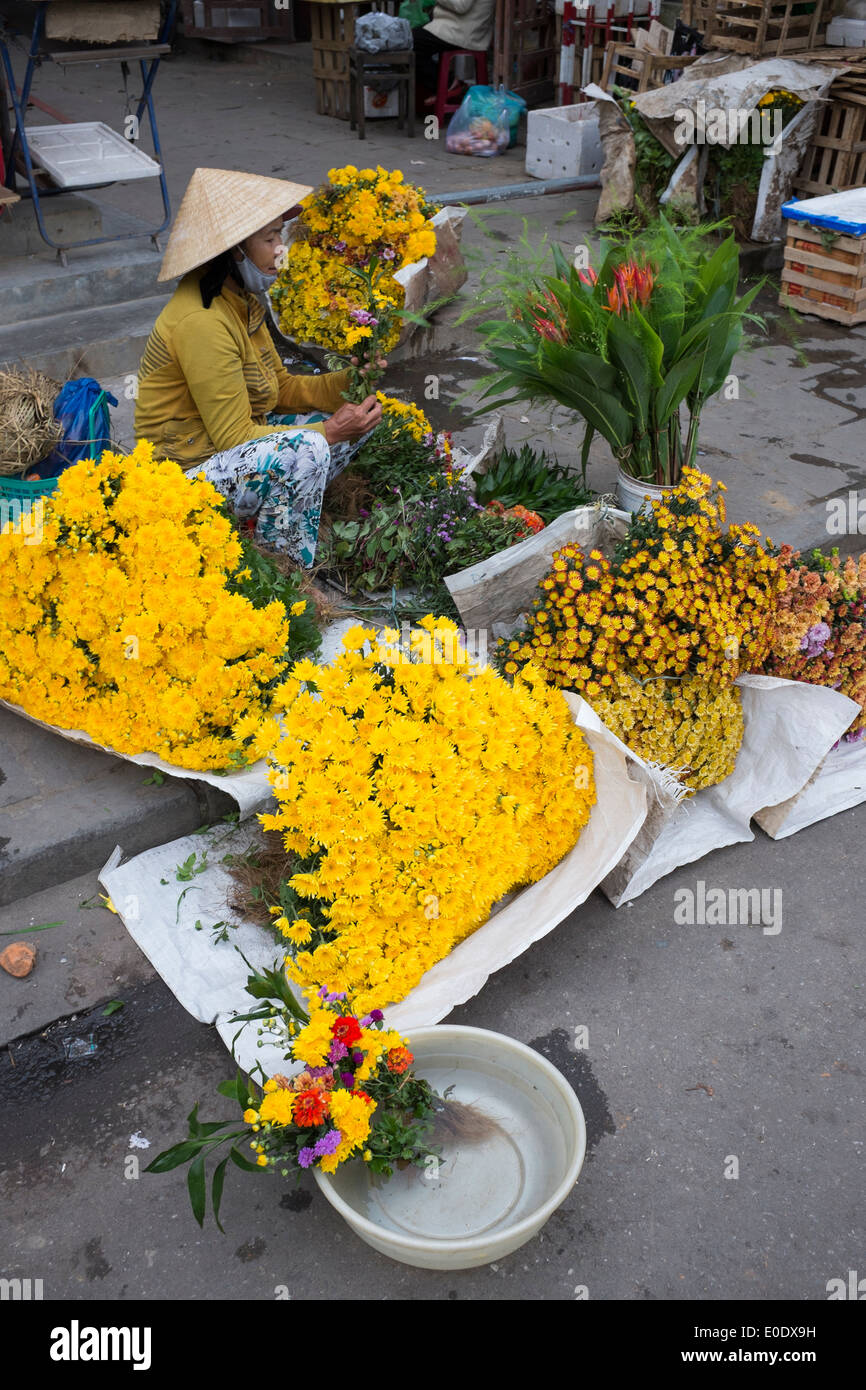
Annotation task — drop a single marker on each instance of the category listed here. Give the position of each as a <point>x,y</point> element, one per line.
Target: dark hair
<point>216,272</point>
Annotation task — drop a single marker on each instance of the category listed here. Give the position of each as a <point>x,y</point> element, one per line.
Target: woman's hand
<point>351,421</point>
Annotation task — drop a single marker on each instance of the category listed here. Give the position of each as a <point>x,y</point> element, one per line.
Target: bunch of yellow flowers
<point>367,220</point>
<point>118,620</point>
<point>414,791</point>
<point>408,416</point>
<point>680,596</point>
<point>691,726</point>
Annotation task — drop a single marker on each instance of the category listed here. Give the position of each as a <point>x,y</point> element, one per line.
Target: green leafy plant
<point>260,579</point>
<point>528,479</point>
<point>630,348</point>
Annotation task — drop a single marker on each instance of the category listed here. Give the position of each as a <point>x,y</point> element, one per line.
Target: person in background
<point>213,393</point>
<point>455,24</point>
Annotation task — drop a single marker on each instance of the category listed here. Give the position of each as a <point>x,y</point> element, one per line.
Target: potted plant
<point>636,348</point>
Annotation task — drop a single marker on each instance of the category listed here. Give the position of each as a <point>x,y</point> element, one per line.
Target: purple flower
<point>307,1157</point>
<point>363,318</point>
<point>358,1058</point>
<point>815,640</point>
<point>328,1144</point>
<point>317,1072</point>
<point>855,736</point>
<point>339,245</point>
<point>338,1051</point>
<point>388,254</point>
<point>348,1077</point>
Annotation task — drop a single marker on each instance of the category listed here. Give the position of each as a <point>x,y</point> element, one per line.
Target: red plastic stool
<point>444,107</point>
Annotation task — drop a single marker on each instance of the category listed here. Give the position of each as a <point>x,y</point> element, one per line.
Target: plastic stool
<point>444,107</point>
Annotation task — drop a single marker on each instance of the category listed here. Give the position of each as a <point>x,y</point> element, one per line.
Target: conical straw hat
<point>220,208</point>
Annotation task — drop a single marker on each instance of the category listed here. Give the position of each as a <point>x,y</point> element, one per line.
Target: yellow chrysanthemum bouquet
<point>336,287</point>
<point>682,600</point>
<point>414,790</point>
<point>120,620</point>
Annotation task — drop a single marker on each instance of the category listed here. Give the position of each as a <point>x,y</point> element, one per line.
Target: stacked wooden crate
<point>332,30</point>
<point>825,260</point>
<point>525,48</point>
<point>769,28</point>
<point>836,158</point>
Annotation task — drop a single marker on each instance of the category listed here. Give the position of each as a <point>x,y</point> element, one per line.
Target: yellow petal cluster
<point>118,621</point>
<point>420,791</point>
<point>408,416</point>
<point>692,726</point>
<point>681,596</point>
<point>355,218</point>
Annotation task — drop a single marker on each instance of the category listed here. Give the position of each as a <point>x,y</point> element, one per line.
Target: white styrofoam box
<point>563,141</point>
<point>847,33</point>
<point>88,152</point>
<point>375,107</point>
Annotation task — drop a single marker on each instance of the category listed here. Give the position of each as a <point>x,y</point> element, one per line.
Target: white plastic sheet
<point>789,727</point>
<point>208,976</point>
<point>837,785</point>
<point>250,787</point>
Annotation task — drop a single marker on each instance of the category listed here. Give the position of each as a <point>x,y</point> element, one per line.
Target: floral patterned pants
<point>280,480</point>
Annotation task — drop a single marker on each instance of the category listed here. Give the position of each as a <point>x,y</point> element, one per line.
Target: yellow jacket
<point>209,377</point>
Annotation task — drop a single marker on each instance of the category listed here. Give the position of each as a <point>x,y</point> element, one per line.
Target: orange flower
<point>398,1059</point>
<point>311,1107</point>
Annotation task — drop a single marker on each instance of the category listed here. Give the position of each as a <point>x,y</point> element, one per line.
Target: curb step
<point>64,806</point>
<point>107,340</point>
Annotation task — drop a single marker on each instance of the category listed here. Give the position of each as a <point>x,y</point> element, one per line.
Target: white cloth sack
<point>789,727</point>
<point>837,785</point>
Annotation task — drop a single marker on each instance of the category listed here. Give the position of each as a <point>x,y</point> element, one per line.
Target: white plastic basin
<point>483,1200</point>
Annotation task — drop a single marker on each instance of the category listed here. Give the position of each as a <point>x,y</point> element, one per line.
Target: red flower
<point>362,1095</point>
<point>398,1059</point>
<point>310,1107</point>
<point>346,1030</point>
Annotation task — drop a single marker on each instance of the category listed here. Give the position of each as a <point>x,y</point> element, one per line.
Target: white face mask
<point>257,281</point>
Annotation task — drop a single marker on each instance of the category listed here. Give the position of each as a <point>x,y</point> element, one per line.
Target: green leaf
<point>243,1163</point>
<point>112,1007</point>
<point>156,780</point>
<point>237,1089</point>
<point>219,1178</point>
<point>195,1181</point>
<point>677,385</point>
<point>43,926</point>
<point>174,1157</point>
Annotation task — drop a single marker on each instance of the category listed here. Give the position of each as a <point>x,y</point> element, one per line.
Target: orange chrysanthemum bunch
<point>820,631</point>
<point>118,619</point>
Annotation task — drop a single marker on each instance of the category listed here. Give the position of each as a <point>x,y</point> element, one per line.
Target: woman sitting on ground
<point>213,393</point>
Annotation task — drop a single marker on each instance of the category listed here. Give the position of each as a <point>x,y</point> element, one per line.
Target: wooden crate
<point>525,50</point>
<point>836,158</point>
<point>637,69</point>
<point>824,276</point>
<point>771,28</point>
<point>701,15</point>
<point>332,30</point>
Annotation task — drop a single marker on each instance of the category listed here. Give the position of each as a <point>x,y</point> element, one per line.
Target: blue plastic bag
<point>486,122</point>
<point>82,409</point>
